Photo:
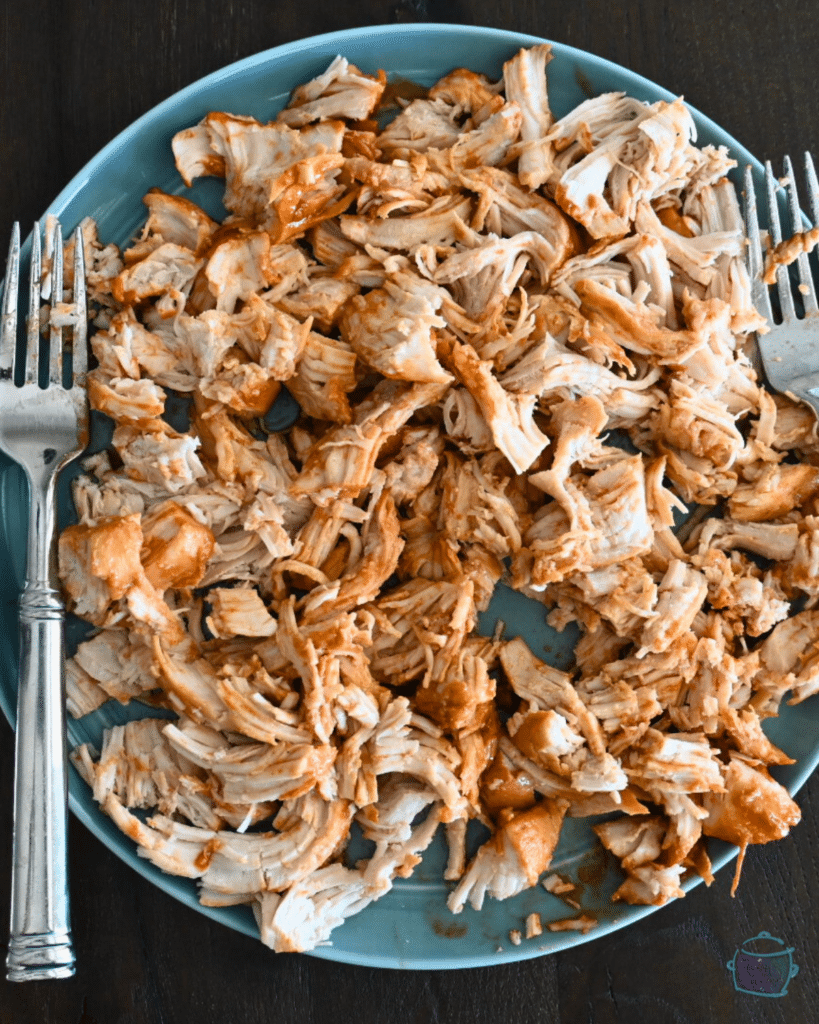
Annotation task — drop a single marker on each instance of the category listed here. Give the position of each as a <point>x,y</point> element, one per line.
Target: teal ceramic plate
<point>411,927</point>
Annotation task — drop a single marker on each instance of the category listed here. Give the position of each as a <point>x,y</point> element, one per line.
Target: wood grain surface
<point>74,74</point>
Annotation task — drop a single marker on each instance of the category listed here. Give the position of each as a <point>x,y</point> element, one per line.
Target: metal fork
<point>790,349</point>
<point>41,428</point>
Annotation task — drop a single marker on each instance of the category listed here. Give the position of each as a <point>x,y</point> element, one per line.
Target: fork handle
<point>40,944</point>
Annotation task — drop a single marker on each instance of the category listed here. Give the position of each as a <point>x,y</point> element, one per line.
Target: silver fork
<point>790,350</point>
<point>41,428</point>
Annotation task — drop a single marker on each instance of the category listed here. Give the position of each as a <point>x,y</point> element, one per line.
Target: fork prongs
<point>10,358</point>
<point>813,188</point>
<point>782,280</point>
<point>759,292</point>
<point>8,330</point>
<point>80,340</point>
<point>55,360</point>
<point>806,286</point>
<point>33,318</point>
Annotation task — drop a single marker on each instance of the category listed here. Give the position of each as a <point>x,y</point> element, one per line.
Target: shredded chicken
<point>513,340</point>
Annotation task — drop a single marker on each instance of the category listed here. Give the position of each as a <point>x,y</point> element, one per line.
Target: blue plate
<point>410,927</point>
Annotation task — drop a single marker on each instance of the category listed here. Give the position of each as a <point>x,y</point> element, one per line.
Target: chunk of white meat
<point>238,611</point>
<point>695,256</point>
<point>245,388</point>
<point>475,506</point>
<point>124,399</point>
<point>169,268</point>
<point>745,727</point>
<point>413,468</point>
<point>157,454</point>
<point>190,682</point>
<point>194,156</point>
<point>617,498</point>
<point>634,841</point>
<point>601,773</point>
<point>752,808</point>
<point>128,348</point>
<point>100,565</point>
<point>173,219</point>
<point>465,423</point>
<point>381,546</point>
<point>524,80</point>
<point>311,909</point>
<point>239,268</point>
<point>235,863</point>
<point>282,765</point>
<point>487,144</point>
<point>651,885</point>
<point>391,329</point>
<point>546,688</point>
<point>778,541</point>
<point>111,664</point>
<point>248,469</point>
<point>341,91</point>
<point>513,860</point>
<point>176,546</point>
<point>544,737</point>
<point>320,676</point>
<point>473,93</point>
<point>265,518</point>
<point>423,124</point>
<point>614,526</point>
<point>203,341</point>
<point>340,464</point>
<point>255,158</point>
<point>634,325</point>
<point>777,490</point>
<point>323,299</point>
<point>307,915</point>
<point>441,223</point>
<point>401,799</point>
<point>397,746</point>
<point>578,425</point>
<point>457,691</point>
<point>650,266</point>
<point>546,370</point>
<point>139,768</point>
<point>691,420</point>
<point>272,338</point>
<point>509,416</point>
<point>325,374</point>
<point>680,762</point>
<point>787,660</point>
<point>602,189</point>
<point>505,209</point>
<point>485,273</point>
<point>679,600</point>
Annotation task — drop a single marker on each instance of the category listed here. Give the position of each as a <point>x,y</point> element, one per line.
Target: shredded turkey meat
<point>511,346</point>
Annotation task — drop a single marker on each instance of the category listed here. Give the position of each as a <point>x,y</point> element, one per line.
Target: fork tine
<point>813,189</point>
<point>8,336</point>
<point>759,291</point>
<point>782,282</point>
<point>33,319</point>
<point>80,345</point>
<point>55,368</point>
<point>806,286</point>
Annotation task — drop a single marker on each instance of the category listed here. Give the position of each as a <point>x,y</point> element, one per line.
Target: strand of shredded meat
<point>519,347</point>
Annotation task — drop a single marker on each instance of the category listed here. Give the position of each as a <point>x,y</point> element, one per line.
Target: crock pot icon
<point>762,967</point>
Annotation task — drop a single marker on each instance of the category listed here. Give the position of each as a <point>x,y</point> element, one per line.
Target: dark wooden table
<point>75,74</point>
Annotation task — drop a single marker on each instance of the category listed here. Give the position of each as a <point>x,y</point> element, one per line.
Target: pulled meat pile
<point>520,349</point>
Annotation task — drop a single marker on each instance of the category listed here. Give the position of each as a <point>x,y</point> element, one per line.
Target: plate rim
<point>125,850</point>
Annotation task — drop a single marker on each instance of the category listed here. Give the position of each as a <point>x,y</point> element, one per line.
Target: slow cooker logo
<point>762,966</point>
